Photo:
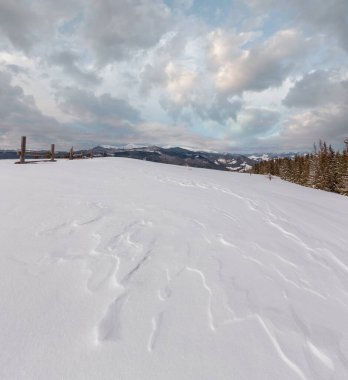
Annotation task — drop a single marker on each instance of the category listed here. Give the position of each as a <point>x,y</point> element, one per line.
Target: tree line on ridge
<point>324,169</point>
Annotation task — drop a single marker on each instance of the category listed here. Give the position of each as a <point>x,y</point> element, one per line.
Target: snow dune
<point>124,269</point>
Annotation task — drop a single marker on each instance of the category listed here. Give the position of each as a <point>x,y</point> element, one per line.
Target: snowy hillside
<point>123,269</point>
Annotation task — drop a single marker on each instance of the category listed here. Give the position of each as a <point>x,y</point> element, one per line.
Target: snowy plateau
<point>122,269</point>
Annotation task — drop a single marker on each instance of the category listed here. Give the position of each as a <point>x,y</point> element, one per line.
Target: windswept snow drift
<point>123,269</point>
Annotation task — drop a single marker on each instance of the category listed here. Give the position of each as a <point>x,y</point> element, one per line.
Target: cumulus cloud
<point>116,30</point>
<point>233,63</point>
<point>15,69</point>
<point>20,116</point>
<point>180,82</point>
<point>322,98</point>
<point>262,66</point>
<point>224,45</point>
<point>70,63</point>
<point>26,24</point>
<point>17,23</point>
<point>104,116</point>
<point>256,122</point>
<point>304,128</point>
<point>16,108</point>
<point>186,92</point>
<point>87,106</point>
<point>318,89</point>
<point>219,109</point>
<point>169,54</point>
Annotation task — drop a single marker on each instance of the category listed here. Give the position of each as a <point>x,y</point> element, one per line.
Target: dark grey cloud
<point>88,106</point>
<point>8,94</point>
<point>321,100</point>
<point>331,126</point>
<point>303,129</point>
<point>16,69</point>
<point>15,106</point>
<point>330,17</point>
<point>220,109</point>
<point>20,115</point>
<point>153,75</point>
<point>70,63</point>
<point>18,22</point>
<point>116,30</point>
<point>317,89</point>
<point>28,23</point>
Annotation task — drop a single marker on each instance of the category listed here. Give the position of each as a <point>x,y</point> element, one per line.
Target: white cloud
<point>261,66</point>
<point>261,73</point>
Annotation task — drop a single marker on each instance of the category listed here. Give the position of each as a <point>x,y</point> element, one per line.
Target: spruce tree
<point>323,169</point>
<point>342,185</point>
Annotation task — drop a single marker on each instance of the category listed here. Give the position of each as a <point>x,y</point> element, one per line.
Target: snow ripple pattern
<point>160,272</point>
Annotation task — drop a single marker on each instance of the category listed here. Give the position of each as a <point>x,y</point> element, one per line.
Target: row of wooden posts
<point>50,154</point>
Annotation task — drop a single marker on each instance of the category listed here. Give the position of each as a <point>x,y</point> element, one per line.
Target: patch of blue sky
<point>5,46</point>
<point>276,21</point>
<point>220,13</point>
<point>154,112</point>
<point>236,14</point>
<point>77,126</point>
<point>266,26</point>
<point>67,37</point>
<point>215,13</point>
<point>69,26</point>
<point>207,128</point>
<point>326,50</point>
<point>273,130</point>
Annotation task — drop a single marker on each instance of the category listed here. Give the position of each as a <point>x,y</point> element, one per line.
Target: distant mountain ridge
<point>174,155</point>
<point>271,156</point>
<point>180,156</point>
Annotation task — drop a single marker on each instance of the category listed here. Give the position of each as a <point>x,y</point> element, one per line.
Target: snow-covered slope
<point>122,269</point>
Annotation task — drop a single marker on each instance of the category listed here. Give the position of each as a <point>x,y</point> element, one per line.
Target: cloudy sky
<point>225,75</point>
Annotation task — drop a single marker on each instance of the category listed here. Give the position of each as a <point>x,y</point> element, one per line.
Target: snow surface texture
<point>123,269</point>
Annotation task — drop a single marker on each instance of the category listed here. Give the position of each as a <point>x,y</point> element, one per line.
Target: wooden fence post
<point>23,146</point>
<point>52,152</point>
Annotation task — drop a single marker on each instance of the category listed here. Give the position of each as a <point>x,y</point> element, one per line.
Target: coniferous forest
<point>324,169</point>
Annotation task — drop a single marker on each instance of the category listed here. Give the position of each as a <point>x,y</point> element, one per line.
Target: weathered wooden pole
<point>23,146</point>
<point>52,152</point>
<point>71,154</point>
